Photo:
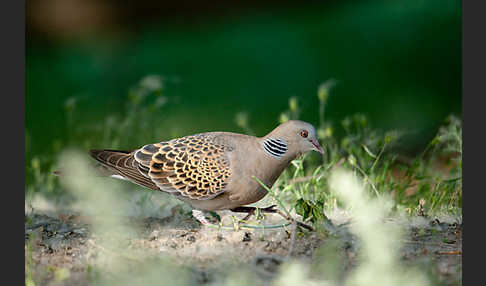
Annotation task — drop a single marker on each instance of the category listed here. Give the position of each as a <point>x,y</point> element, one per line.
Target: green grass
<point>416,184</point>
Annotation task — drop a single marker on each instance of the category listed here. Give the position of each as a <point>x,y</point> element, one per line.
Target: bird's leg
<point>199,215</point>
<point>270,209</point>
<point>251,210</point>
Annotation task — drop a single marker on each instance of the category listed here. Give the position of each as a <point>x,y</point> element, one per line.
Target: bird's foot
<point>254,211</point>
<point>201,217</point>
<point>271,209</point>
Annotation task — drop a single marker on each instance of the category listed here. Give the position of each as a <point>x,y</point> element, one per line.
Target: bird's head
<point>298,136</point>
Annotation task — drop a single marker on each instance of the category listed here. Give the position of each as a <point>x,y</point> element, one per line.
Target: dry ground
<point>62,249</point>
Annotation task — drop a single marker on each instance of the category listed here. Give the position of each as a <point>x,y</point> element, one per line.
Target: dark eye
<point>304,133</point>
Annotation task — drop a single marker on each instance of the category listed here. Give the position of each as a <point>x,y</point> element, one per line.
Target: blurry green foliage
<point>398,62</point>
<point>412,182</point>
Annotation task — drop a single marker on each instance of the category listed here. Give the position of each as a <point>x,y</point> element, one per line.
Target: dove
<point>213,171</point>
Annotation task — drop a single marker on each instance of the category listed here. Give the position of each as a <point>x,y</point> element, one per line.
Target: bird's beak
<point>317,147</point>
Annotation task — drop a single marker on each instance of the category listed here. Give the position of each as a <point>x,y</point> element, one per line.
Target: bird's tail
<point>104,167</point>
<point>118,164</point>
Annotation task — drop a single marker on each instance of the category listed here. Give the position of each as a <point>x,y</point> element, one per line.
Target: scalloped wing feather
<point>193,166</point>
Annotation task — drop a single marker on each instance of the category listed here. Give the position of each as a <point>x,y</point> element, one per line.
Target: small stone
<point>268,263</point>
<point>64,229</point>
<point>247,236</point>
<point>154,235</point>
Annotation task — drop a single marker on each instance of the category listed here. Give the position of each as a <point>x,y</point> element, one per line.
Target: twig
<point>303,225</point>
<point>428,243</point>
<point>451,252</point>
<point>292,239</point>
<point>248,226</point>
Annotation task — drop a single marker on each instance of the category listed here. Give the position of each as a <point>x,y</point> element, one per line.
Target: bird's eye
<point>304,133</point>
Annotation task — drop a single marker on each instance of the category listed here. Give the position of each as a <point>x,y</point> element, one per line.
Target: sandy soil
<point>62,249</point>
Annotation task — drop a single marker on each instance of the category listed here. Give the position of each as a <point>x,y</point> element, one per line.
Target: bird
<point>213,171</point>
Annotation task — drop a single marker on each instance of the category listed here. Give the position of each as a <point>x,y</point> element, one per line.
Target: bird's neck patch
<point>274,147</point>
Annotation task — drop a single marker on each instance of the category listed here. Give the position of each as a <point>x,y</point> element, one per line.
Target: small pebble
<point>154,235</point>
<point>247,236</point>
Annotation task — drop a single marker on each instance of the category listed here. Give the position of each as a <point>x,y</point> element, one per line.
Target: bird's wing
<point>194,166</point>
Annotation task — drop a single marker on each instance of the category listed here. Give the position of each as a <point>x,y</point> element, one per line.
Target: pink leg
<point>199,215</point>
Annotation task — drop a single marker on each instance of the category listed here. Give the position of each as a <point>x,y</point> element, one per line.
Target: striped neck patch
<point>275,147</point>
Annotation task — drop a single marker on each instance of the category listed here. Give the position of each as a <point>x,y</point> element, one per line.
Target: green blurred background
<point>398,62</point>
